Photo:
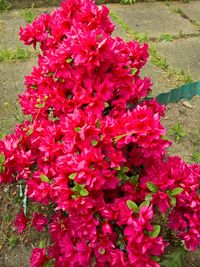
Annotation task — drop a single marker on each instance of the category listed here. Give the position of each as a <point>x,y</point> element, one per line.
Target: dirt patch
<point>189,120</point>
<point>15,249</point>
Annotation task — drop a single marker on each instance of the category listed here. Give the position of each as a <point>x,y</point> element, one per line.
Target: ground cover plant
<point>93,156</point>
<point>9,55</point>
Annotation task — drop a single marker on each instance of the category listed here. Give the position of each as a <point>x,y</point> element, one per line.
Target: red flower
<point>38,257</point>
<point>21,221</point>
<point>39,221</point>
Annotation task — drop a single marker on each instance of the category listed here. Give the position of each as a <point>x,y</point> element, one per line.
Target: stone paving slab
<point>183,54</point>
<point>153,19</point>
<point>191,9</point>
<point>10,23</point>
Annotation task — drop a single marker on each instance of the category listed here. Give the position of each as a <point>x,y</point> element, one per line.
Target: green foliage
<point>180,76</point>
<point>174,259</point>
<point>132,206</point>
<point>2,160</point>
<point>127,2</point>
<point>12,241</point>
<point>196,157</point>
<point>48,264</point>
<point>4,6</point>
<point>141,37</point>
<point>72,175</point>
<point>173,193</point>
<point>7,217</point>
<point>42,243</point>
<point>10,55</point>
<point>176,191</point>
<point>156,231</point>
<point>177,132</point>
<point>94,142</point>
<point>79,190</point>
<point>28,14</point>
<point>178,11</point>
<point>166,37</point>
<point>156,59</point>
<point>152,187</point>
<point>44,178</point>
<point>2,135</point>
<point>145,203</point>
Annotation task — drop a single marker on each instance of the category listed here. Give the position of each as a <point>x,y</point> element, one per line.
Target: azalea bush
<point>93,155</point>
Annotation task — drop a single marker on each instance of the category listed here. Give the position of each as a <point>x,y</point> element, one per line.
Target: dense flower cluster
<point>94,151</point>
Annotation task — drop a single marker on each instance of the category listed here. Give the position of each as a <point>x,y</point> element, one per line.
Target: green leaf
<point>134,179</point>
<point>72,175</point>
<point>174,259</point>
<point>30,131</point>
<point>99,36</point>
<point>117,138</point>
<point>44,178</point>
<point>145,203</point>
<point>49,74</point>
<point>164,137</point>
<point>118,168</point>
<point>148,197</point>
<point>125,169</point>
<point>132,206</point>
<point>48,264</point>
<point>69,60</point>
<point>2,135</point>
<point>77,129</point>
<point>77,187</point>
<point>41,105</point>
<point>98,123</point>
<point>33,86</point>
<point>176,191</point>
<point>155,258</point>
<point>102,251</point>
<point>83,192</point>
<point>94,142</point>
<point>42,244</point>
<point>155,231</point>
<point>106,105</point>
<point>152,187</point>
<point>133,71</point>
<point>2,160</point>
<point>173,201</point>
<point>101,137</point>
<point>177,131</point>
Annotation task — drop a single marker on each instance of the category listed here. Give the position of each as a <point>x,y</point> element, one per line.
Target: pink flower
<point>39,221</point>
<point>38,257</point>
<point>21,221</point>
<point>162,200</point>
